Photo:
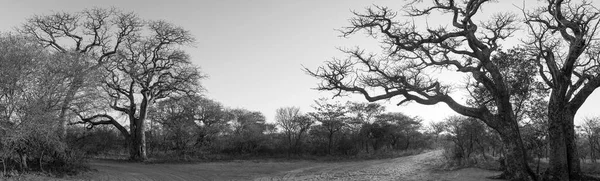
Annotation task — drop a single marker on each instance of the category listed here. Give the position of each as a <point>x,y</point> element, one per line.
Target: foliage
<point>187,122</point>
<point>30,90</point>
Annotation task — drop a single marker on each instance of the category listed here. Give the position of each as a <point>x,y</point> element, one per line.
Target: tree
<point>189,120</point>
<point>249,129</point>
<point>31,87</point>
<point>144,70</point>
<point>591,130</point>
<point>410,53</point>
<point>332,117</point>
<point>564,40</point>
<point>400,128</point>
<point>88,38</point>
<point>363,114</point>
<point>294,125</point>
<point>469,137</point>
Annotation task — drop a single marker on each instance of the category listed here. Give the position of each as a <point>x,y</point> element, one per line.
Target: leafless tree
<point>410,53</point>
<point>294,125</point>
<point>88,37</point>
<point>145,69</point>
<point>591,130</point>
<point>563,36</point>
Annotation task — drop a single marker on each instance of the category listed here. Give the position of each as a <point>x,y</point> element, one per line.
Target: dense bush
<point>34,148</point>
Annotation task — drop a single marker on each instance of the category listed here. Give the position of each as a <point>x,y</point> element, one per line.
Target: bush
<point>102,140</point>
<point>36,148</point>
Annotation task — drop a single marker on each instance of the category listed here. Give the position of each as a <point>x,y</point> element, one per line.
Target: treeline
<point>469,142</point>
<point>195,127</point>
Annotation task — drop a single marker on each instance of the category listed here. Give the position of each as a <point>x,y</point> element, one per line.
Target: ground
<point>416,167</point>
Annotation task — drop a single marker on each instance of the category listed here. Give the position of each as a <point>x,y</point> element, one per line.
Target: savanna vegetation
<point>105,83</point>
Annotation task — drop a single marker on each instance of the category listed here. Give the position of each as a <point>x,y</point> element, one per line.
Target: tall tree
<point>564,39</point>
<point>88,38</point>
<point>411,53</point>
<point>144,70</point>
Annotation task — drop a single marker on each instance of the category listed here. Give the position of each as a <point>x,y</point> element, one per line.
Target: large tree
<point>563,37</point>
<point>88,38</point>
<point>144,70</point>
<point>411,52</point>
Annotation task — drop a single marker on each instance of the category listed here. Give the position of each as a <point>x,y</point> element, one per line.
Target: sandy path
<point>415,167</point>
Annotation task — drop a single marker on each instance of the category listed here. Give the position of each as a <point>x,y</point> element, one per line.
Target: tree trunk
<point>137,142</point>
<point>564,161</point>
<point>70,95</point>
<point>289,139</point>
<point>515,156</point>
<point>24,165</point>
<point>330,143</point>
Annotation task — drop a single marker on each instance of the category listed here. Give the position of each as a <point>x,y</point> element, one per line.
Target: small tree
<point>294,125</point>
<point>188,121</point>
<point>248,130</point>
<point>332,118</point>
<point>400,128</point>
<point>591,130</point>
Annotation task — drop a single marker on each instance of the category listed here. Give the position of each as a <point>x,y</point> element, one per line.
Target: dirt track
<point>415,167</point>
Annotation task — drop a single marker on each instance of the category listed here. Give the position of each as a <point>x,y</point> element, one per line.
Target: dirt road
<point>415,167</point>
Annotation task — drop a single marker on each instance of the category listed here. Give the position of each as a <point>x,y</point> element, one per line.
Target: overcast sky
<point>254,51</point>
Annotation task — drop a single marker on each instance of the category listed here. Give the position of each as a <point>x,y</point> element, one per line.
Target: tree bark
<point>564,161</point>
<point>137,142</point>
<point>515,156</point>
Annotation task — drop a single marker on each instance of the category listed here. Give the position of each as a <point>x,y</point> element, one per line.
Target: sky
<point>254,51</point>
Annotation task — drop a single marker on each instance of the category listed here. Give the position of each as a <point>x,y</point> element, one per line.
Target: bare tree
<point>88,37</point>
<point>591,130</point>
<point>144,70</point>
<point>563,37</point>
<point>409,54</point>
<point>294,125</point>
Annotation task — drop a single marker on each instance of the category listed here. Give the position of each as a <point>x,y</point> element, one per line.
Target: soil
<point>416,167</point>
